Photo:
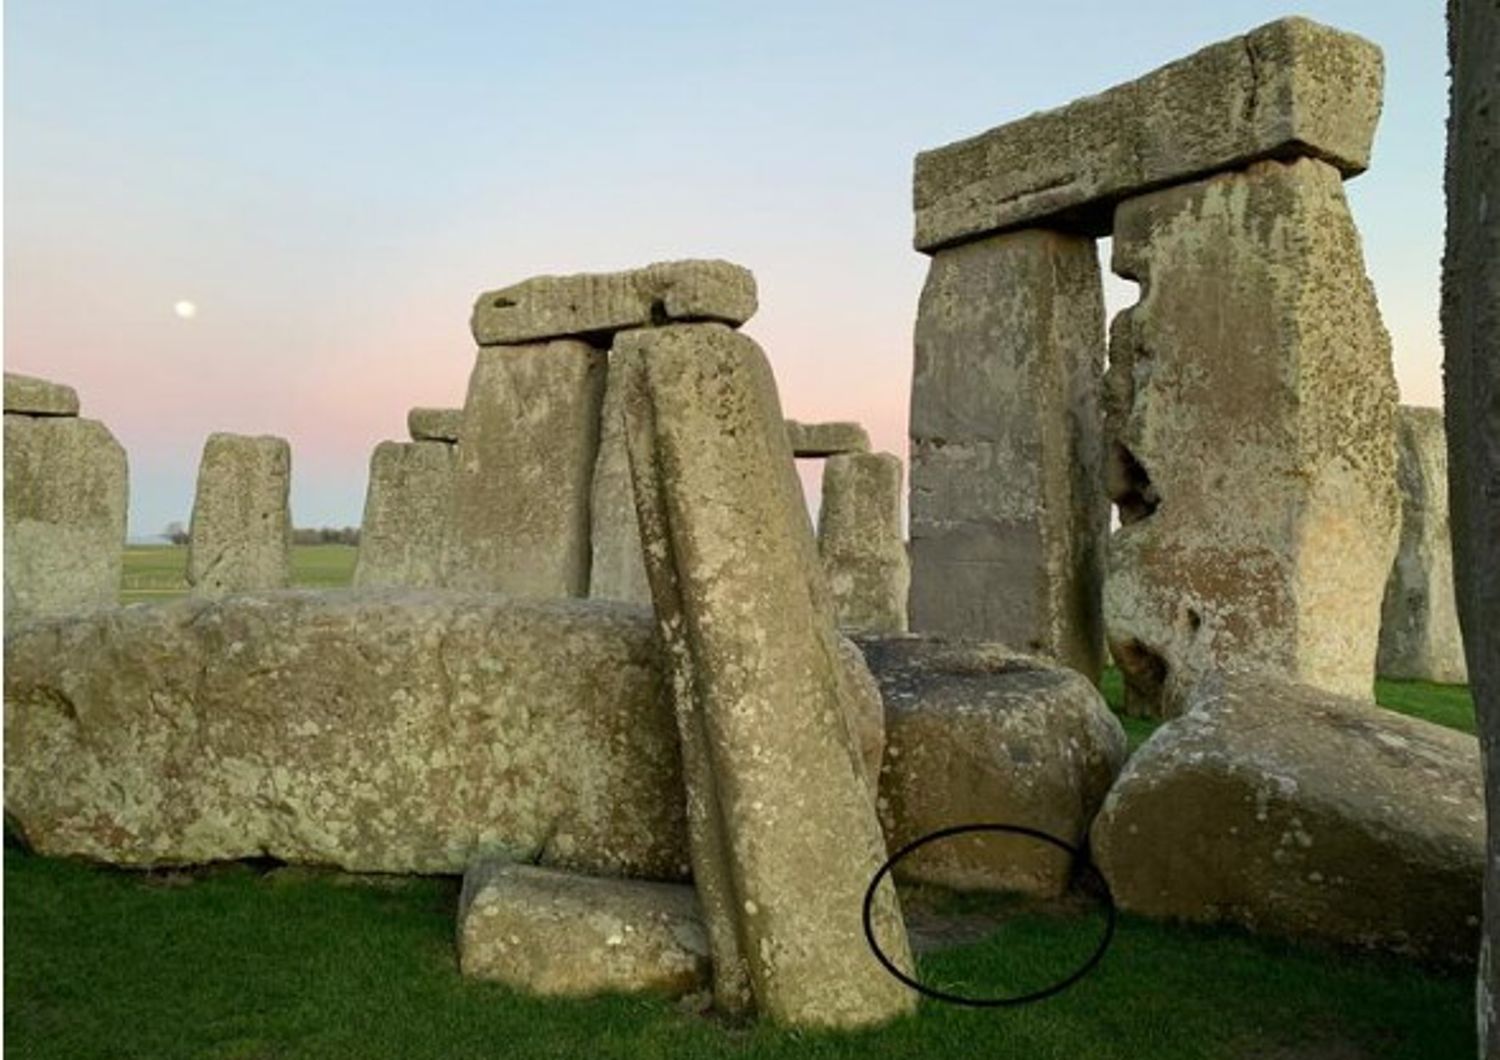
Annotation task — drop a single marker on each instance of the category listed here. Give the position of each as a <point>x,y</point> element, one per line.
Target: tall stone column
<point>860,541</point>
<point>1471,338</point>
<point>1008,513</point>
<point>241,533</point>
<point>1251,420</point>
<point>403,533</point>
<point>618,570</point>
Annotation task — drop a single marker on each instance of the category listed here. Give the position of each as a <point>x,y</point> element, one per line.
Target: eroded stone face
<point>1251,417</point>
<point>407,506</point>
<point>596,305</point>
<point>1419,634</point>
<point>30,396</point>
<point>524,471</point>
<point>826,439</point>
<point>65,509</point>
<point>781,816</point>
<point>976,733</point>
<point>1294,812</point>
<point>241,532</point>
<point>558,934</point>
<point>1007,513</point>
<point>1289,88</point>
<point>618,568</point>
<point>860,541</point>
<point>374,730</point>
<point>434,425</point>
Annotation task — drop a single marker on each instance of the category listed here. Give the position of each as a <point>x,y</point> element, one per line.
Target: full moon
<point>185,309</point>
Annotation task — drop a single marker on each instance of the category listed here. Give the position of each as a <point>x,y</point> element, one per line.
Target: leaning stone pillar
<point>1008,513</point>
<point>1251,418</point>
<point>860,541</point>
<point>781,815</point>
<point>241,533</point>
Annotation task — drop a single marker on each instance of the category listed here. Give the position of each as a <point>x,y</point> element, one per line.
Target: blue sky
<point>333,183</point>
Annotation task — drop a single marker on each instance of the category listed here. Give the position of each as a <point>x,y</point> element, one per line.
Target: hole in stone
<point>659,313</point>
<point>1194,620</point>
<point>504,303</point>
<point>1130,486</point>
<point>1145,674</point>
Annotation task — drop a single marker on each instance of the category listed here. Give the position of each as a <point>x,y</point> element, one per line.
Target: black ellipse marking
<point>990,1002</point>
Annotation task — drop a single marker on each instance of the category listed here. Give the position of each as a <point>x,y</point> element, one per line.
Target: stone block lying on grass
<point>1301,813</point>
<point>559,934</point>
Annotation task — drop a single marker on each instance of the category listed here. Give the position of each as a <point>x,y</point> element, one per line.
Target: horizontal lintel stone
<point>29,396</point>
<point>826,439</point>
<point>434,425</point>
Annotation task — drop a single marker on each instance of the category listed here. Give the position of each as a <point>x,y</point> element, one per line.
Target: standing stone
<point>30,396</point>
<point>526,451</point>
<point>66,497</point>
<point>1471,337</point>
<point>1419,635</point>
<point>406,514</point>
<point>860,542</point>
<point>241,533</point>
<point>781,815</point>
<point>1007,513</point>
<point>618,570</point>
<point>1251,416</point>
<point>434,425</point>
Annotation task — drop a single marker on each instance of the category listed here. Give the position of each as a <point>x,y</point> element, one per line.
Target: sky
<point>331,184</point>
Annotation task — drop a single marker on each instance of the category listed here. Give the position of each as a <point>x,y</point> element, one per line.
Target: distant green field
<point>159,572</point>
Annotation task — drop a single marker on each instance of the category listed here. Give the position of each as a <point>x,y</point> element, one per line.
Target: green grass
<point>230,963</point>
<point>159,572</point>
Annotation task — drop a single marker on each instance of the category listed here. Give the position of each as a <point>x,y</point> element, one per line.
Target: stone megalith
<point>1419,634</point>
<point>1250,409</point>
<point>1007,511</point>
<point>618,569</point>
<point>405,524</point>
<point>434,425</point>
<point>860,541</point>
<point>781,814</point>
<point>241,534</point>
<point>1471,379</point>
<point>826,439</point>
<point>66,497</point>
<point>519,521</point>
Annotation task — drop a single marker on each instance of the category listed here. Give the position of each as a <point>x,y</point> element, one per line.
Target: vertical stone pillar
<point>407,504</point>
<point>1471,377</point>
<point>618,569</point>
<point>860,541</point>
<point>781,814</point>
<point>1251,417</point>
<point>1008,514</point>
<point>241,532</point>
<point>66,496</point>
<point>519,521</point>
<point>1419,635</point>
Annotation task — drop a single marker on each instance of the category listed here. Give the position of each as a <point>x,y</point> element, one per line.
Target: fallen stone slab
<point>558,934</point>
<point>977,733</point>
<point>373,730</point>
<point>1419,633</point>
<point>434,425</point>
<point>407,506</point>
<point>826,439</point>
<point>1292,88</point>
<point>241,534</point>
<point>1295,812</point>
<point>66,495</point>
<point>595,305</point>
<point>30,396</point>
<point>781,815</point>
<point>861,544</point>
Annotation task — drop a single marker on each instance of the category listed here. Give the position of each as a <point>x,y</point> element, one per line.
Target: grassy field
<point>159,572</point>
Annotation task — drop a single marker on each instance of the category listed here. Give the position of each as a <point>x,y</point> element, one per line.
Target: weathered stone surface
<point>1296,812</point>
<point>1419,634</point>
<point>375,730</point>
<point>434,425</point>
<point>782,822</point>
<point>595,305</point>
<point>618,569</point>
<point>1290,88</point>
<point>560,934</point>
<point>30,396</point>
<point>407,505</point>
<point>65,505</point>
<point>826,439</point>
<point>1471,380</point>
<point>1007,513</point>
<point>977,733</point>
<point>530,435</point>
<point>1251,415</point>
<point>860,541</point>
<point>241,534</point>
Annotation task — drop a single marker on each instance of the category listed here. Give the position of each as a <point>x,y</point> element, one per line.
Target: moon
<point>185,309</point>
